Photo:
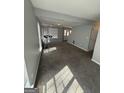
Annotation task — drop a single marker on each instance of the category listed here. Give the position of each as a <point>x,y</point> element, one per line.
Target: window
<point>53,32</point>
<point>70,31</point>
<point>64,32</point>
<point>67,32</point>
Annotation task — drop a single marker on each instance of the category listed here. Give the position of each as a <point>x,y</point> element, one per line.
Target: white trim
<point>27,83</point>
<point>32,86</point>
<point>96,61</point>
<point>78,47</point>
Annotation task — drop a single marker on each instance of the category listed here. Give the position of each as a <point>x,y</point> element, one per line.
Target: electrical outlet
<point>73,42</point>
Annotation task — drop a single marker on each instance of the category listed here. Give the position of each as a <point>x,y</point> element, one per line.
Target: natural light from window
<point>59,83</point>
<point>67,32</point>
<point>50,50</point>
<point>70,31</point>
<point>75,88</point>
<point>64,32</point>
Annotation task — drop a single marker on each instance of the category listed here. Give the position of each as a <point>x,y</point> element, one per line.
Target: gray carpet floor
<point>65,68</point>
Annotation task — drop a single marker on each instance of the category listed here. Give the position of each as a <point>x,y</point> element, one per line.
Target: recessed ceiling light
<point>59,24</point>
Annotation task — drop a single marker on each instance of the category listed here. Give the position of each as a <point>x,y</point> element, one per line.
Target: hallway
<point>65,68</point>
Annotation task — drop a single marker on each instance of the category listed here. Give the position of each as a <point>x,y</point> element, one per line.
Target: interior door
<point>93,35</point>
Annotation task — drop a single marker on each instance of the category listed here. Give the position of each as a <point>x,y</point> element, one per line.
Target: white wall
<point>96,53</point>
<point>81,35</point>
<point>25,74</point>
<point>31,43</point>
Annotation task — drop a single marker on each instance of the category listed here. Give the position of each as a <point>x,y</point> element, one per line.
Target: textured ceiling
<point>67,12</point>
<point>48,17</point>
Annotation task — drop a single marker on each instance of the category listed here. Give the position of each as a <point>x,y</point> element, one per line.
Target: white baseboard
<point>78,47</point>
<point>96,61</point>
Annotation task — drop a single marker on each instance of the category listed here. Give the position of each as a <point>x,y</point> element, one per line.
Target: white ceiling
<point>48,17</point>
<point>67,12</point>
